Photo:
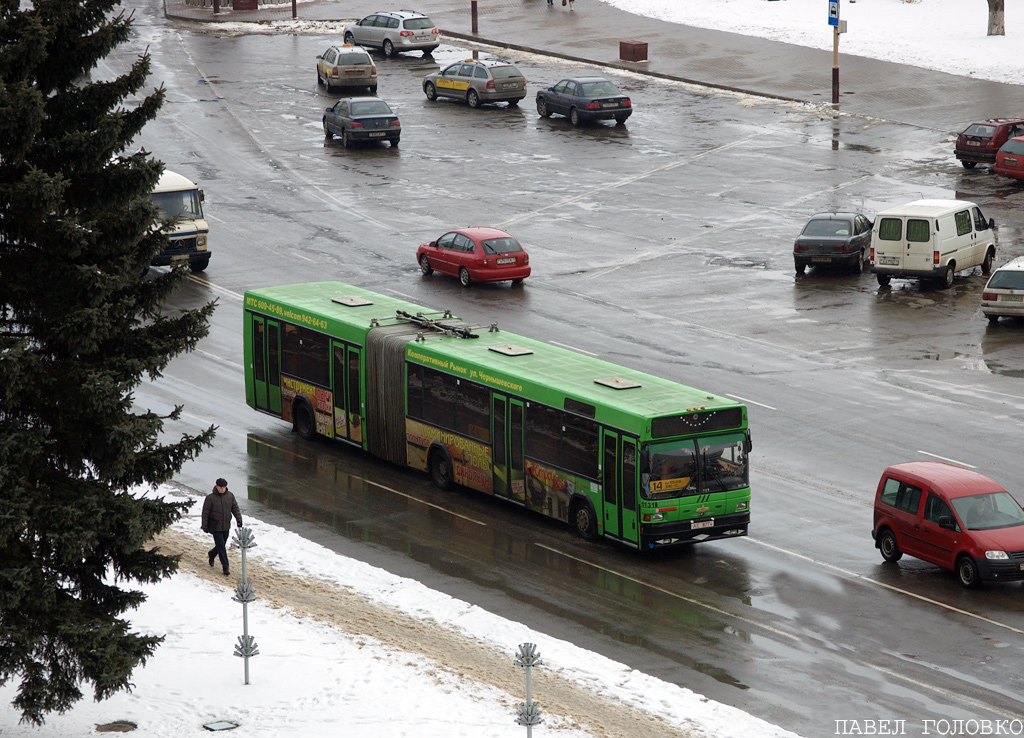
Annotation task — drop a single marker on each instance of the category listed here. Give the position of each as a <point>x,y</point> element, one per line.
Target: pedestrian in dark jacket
<point>218,508</point>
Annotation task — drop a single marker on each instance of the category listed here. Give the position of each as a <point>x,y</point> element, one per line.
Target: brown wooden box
<point>633,50</point>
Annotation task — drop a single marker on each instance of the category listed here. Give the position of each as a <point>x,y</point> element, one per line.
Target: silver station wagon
<point>401,30</point>
<point>477,82</point>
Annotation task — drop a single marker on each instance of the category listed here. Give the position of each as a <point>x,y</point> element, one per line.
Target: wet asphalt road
<point>664,244</point>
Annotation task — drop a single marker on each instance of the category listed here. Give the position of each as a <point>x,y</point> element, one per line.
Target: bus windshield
<point>694,466</point>
<point>182,204</point>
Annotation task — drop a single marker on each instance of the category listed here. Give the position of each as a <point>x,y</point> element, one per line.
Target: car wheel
<point>986,266</point>
<point>199,265</point>
<point>800,268</point>
<point>327,131</point>
<point>350,39</point>
<point>302,419</point>
<point>319,79</point>
<point>430,91</point>
<point>967,572</point>
<point>620,119</point>
<point>394,141</point>
<point>516,282</point>
<point>992,319</point>
<point>464,276</point>
<point>345,140</point>
<point>513,103</point>
<point>441,470</point>
<point>389,48</point>
<point>888,546</point>
<point>425,266</point>
<point>946,280</point>
<point>542,108</point>
<point>584,521</point>
<point>858,267</point>
<point>473,99</point>
<point>574,116</point>
<point>968,164</point>
<point>883,280</point>
<point>373,89</point>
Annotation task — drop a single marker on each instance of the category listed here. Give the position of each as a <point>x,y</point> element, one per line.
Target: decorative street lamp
<point>245,593</point>
<point>528,713</point>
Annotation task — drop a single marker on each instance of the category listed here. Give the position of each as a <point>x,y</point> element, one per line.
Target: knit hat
<point>222,482</point>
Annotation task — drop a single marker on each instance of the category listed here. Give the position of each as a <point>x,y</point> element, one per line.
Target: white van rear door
<point>888,242</point>
<point>918,245</point>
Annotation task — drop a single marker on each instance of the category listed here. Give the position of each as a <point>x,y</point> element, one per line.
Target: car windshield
<point>1013,146</point>
<point>1006,279</point>
<point>989,511</point>
<point>980,129</point>
<point>353,59</point>
<point>828,227</point>
<point>603,88</point>
<point>501,245</point>
<point>505,72</point>
<point>370,107</point>
<point>184,204</point>
<point>418,24</point>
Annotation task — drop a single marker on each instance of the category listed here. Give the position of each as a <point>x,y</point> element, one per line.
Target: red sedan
<point>1010,159</point>
<point>475,255</point>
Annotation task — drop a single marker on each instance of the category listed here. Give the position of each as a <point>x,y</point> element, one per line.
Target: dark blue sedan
<point>362,119</point>
<point>583,99</point>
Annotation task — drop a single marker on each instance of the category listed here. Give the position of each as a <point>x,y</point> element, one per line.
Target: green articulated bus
<point>608,450</point>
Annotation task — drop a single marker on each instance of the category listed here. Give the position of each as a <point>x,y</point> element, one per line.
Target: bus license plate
<point>507,261</point>
<point>702,524</point>
<point>889,261</point>
<point>375,134</point>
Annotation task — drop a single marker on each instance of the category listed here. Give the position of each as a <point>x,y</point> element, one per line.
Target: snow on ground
<point>945,35</point>
<point>317,681</point>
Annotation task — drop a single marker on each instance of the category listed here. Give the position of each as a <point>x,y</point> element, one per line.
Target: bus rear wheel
<point>584,521</point>
<point>441,470</point>
<point>305,426</point>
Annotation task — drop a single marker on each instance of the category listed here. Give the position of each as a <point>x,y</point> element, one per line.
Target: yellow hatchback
<point>477,82</point>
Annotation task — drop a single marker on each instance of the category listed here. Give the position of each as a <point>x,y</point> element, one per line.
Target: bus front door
<point>610,485</point>
<point>507,459</point>
<point>266,364</point>
<point>618,478</point>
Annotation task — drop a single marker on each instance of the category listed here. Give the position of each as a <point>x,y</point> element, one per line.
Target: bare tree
<point>995,18</point>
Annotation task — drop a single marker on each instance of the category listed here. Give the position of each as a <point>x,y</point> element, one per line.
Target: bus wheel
<point>302,417</point>
<point>441,470</point>
<point>584,521</point>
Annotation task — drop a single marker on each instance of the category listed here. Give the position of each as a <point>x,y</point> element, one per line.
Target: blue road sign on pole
<point>833,12</point>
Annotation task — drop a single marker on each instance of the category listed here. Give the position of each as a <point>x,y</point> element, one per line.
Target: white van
<point>931,239</point>
<point>181,199</point>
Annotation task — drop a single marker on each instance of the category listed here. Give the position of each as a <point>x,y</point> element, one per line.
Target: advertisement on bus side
<point>471,460</point>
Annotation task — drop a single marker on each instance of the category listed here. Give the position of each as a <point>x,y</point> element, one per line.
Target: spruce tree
<point>79,331</point>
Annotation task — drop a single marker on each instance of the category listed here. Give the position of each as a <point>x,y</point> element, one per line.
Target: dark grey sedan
<point>583,99</point>
<point>834,238</point>
<point>362,119</point>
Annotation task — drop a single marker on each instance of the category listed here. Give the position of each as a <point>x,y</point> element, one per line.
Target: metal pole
<point>835,65</point>
<point>216,7</point>
<point>245,593</point>
<point>472,11</point>
<point>295,9</point>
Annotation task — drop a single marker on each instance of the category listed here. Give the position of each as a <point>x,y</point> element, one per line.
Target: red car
<point>475,255</point>
<point>980,141</point>
<point>1010,159</point>
<point>951,517</point>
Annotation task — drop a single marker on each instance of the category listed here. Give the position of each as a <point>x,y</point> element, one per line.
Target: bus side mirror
<point>747,445</point>
<point>202,196</point>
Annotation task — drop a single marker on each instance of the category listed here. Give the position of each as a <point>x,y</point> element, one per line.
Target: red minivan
<point>951,517</point>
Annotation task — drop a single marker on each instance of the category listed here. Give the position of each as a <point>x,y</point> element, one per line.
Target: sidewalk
<point>592,33</point>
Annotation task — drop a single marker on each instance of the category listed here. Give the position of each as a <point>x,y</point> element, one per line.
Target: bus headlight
<point>201,243</point>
